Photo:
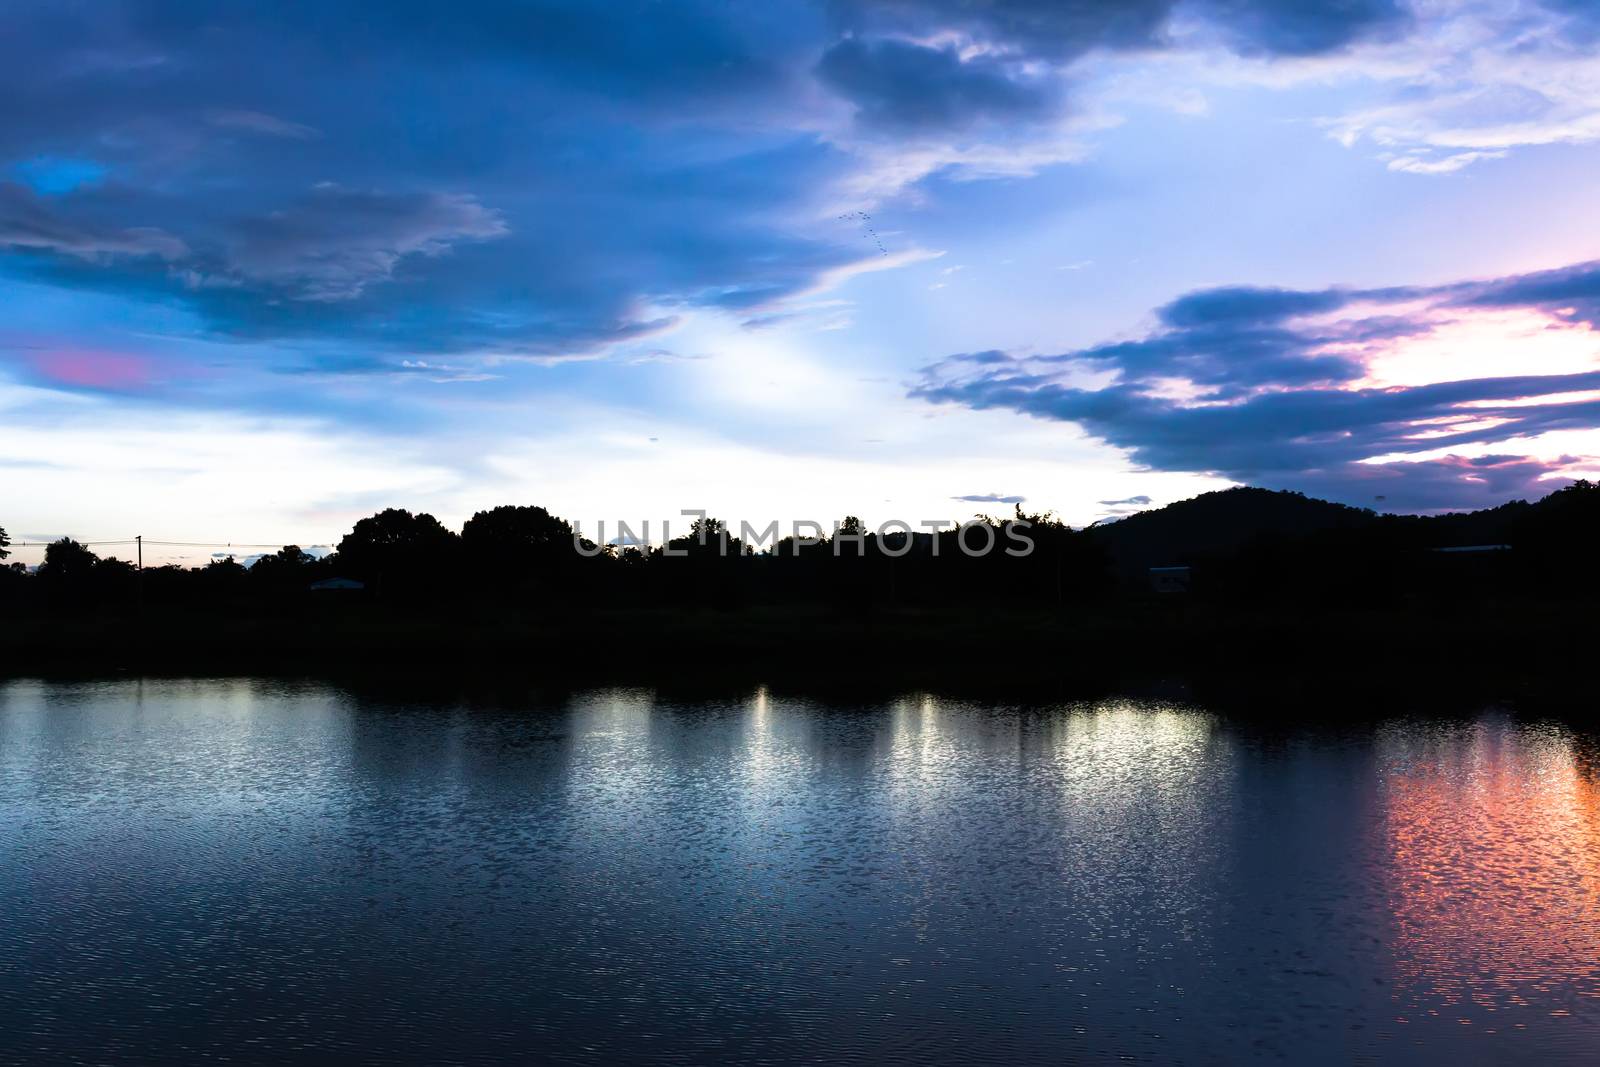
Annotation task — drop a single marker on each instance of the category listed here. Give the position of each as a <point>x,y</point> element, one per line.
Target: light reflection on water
<point>268,869</point>
<point>1493,871</point>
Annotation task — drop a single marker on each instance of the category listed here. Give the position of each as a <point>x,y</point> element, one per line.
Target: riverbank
<point>1089,649</point>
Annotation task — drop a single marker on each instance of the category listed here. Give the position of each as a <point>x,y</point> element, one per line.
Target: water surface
<point>265,869</point>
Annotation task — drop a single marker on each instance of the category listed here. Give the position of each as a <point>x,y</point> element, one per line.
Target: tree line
<point>525,556</point>
<point>1245,546</point>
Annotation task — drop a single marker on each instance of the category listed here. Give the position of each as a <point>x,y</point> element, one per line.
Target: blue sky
<point>267,269</point>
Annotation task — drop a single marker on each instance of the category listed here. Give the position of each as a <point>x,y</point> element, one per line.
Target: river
<point>277,869</point>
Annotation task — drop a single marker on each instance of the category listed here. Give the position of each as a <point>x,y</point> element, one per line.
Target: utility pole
<point>138,541</point>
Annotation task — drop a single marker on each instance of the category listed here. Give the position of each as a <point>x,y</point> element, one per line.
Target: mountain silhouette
<point>1219,523</point>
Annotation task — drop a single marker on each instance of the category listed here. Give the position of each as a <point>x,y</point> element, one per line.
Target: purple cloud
<point>1261,386</point>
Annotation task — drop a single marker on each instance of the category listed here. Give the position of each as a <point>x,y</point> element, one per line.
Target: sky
<point>266,269</point>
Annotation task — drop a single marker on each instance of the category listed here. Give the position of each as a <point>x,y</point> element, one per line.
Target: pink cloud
<point>92,369</point>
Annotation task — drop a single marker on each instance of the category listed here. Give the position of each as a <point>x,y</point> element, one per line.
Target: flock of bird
<point>867,229</point>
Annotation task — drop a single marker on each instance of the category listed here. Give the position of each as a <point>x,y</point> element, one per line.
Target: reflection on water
<point>1493,872</point>
<point>191,869</point>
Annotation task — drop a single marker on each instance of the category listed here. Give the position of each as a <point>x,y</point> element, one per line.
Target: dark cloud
<point>638,55</point>
<point>1453,483</point>
<point>1135,501</point>
<point>531,177</point>
<point>535,177</point>
<point>903,73</point>
<point>899,85</point>
<point>990,498</point>
<point>988,356</point>
<point>1063,30</point>
<point>332,243</point>
<point>1234,304</point>
<point>30,223</point>
<point>1232,340</point>
<point>1262,400</point>
<point>1052,29</point>
<point>1572,292</point>
<point>1301,28</point>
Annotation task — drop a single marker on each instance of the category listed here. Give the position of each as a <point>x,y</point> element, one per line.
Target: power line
<point>218,544</point>
<point>165,544</point>
<point>47,544</point>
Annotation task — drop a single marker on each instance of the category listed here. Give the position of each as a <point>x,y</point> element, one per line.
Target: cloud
<point>28,223</point>
<point>333,242</point>
<point>1247,304</point>
<point>1136,501</point>
<point>974,91</point>
<point>1290,28</point>
<point>1472,82</point>
<point>1571,292</point>
<point>903,86</point>
<point>561,177</point>
<point>1417,164</point>
<point>442,271</point>
<point>564,176</point>
<point>1225,359</point>
<point>1038,28</point>
<point>1275,387</point>
<point>1062,32</point>
<point>1449,483</point>
<point>318,264</point>
<point>92,369</point>
<point>990,498</point>
<point>258,122</point>
<point>1580,19</point>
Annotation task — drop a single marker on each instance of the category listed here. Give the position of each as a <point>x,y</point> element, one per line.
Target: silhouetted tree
<point>67,560</point>
<point>700,567</point>
<point>13,576</point>
<point>285,573</point>
<point>400,554</point>
<point>67,573</point>
<point>223,579</point>
<point>1556,538</point>
<point>515,551</point>
<point>1065,565</point>
<point>708,537</point>
<point>1247,547</point>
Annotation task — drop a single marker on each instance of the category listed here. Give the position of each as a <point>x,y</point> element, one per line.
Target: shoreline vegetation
<point>1148,641</point>
<point>1284,588</point>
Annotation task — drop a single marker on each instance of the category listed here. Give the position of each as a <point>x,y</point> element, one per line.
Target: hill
<point>1251,535</point>
<point>1221,523</point>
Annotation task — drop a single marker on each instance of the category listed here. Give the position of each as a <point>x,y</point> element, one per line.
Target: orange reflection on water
<point>1492,858</point>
